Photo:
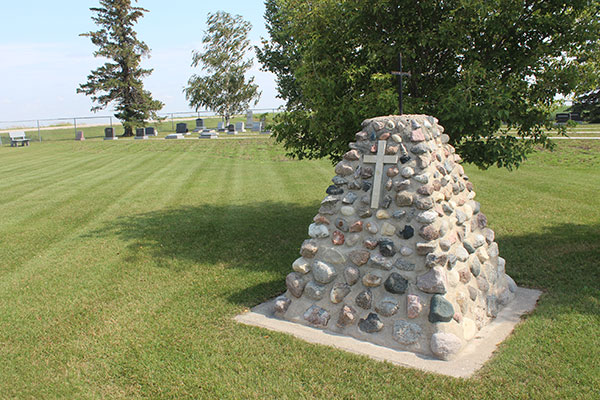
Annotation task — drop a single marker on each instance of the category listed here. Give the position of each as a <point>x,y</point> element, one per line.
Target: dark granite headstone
<point>181,128</point>
<point>151,131</point>
<point>109,134</point>
<point>231,129</point>
<point>562,118</point>
<point>199,125</point>
<point>140,133</point>
<point>575,116</point>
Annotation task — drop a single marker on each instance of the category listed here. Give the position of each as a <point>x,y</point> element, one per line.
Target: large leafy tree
<point>119,81</point>
<point>225,89</point>
<point>475,64</point>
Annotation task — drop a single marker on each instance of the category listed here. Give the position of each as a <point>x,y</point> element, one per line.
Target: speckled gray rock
<point>308,249</point>
<point>406,333</point>
<point>371,324</point>
<point>359,257</point>
<point>427,217</point>
<point>338,292</point>
<point>445,345</point>
<point>395,283</point>
<point>295,283</point>
<point>282,303</point>
<point>380,262</point>
<point>434,281</point>
<point>387,306</point>
<point>351,275</point>
<point>318,231</point>
<point>332,256</point>
<point>364,299</point>
<point>317,316</point>
<point>322,272</point>
<point>314,291</point>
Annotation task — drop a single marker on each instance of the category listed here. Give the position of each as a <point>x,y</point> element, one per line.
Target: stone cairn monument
<point>399,254</point>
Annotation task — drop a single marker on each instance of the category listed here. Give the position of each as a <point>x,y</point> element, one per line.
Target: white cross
<point>379,159</point>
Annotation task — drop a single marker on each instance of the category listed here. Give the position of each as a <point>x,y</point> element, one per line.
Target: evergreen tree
<point>225,89</point>
<point>119,81</point>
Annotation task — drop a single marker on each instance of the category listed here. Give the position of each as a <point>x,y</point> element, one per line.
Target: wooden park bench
<point>18,137</point>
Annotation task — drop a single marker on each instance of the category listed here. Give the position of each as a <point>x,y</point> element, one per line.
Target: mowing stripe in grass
<point>36,183</point>
<point>73,210</point>
<point>59,248</point>
<point>40,174</point>
<point>65,194</point>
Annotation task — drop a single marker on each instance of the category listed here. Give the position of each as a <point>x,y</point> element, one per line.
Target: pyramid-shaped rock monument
<point>399,254</point>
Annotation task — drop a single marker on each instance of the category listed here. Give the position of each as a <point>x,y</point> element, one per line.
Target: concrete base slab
<point>468,361</point>
<point>111,138</point>
<point>174,136</point>
<point>141,137</point>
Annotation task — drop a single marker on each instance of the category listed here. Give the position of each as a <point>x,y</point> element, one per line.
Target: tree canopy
<point>475,64</point>
<point>119,81</point>
<point>225,89</point>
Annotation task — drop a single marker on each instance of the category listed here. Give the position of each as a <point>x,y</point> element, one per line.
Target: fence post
<point>75,124</point>
<point>111,123</point>
<point>39,134</point>
<point>172,123</point>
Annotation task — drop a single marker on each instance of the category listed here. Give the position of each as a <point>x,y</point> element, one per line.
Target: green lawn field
<point>122,265</point>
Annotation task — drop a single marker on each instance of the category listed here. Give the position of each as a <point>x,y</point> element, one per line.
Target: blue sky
<point>43,59</point>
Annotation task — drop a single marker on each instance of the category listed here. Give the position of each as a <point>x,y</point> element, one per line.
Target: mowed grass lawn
<point>123,263</point>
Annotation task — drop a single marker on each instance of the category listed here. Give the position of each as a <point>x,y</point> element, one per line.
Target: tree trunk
<point>128,131</point>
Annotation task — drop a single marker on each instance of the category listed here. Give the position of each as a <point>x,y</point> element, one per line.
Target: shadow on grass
<point>562,259</point>
<point>259,237</point>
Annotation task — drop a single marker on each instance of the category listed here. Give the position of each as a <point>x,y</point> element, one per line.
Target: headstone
<point>182,128</point>
<point>575,116</point>
<point>140,133</point>
<point>240,127</point>
<point>199,125</point>
<point>562,118</point>
<point>208,134</point>
<point>221,126</point>
<point>249,117</point>
<point>231,129</point>
<point>109,134</point>
<point>151,131</point>
<point>79,136</point>
<point>175,136</point>
<point>257,126</point>
<point>399,253</point>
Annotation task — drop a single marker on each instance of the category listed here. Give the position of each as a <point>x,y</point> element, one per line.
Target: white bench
<point>18,137</point>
